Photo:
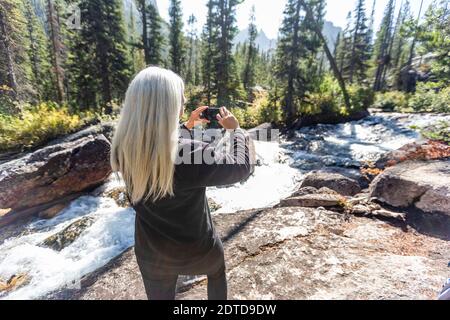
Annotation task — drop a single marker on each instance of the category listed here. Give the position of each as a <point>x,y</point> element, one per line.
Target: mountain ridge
<point>330,32</point>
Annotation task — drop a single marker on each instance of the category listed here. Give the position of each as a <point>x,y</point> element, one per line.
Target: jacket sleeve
<point>231,164</point>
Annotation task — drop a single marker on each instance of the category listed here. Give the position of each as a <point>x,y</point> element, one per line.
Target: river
<point>282,167</point>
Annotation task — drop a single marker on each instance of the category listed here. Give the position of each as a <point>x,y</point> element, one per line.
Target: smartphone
<point>210,114</point>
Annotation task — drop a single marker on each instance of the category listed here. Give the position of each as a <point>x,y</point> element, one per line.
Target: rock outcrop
<point>36,181</point>
<point>417,151</point>
<point>299,253</point>
<point>105,128</point>
<point>310,197</point>
<point>67,236</point>
<point>421,184</point>
<point>13,283</point>
<point>338,182</point>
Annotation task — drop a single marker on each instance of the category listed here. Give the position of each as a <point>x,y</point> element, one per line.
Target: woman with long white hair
<point>174,231</point>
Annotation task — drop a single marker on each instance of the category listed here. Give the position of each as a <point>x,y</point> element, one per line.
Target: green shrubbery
<point>391,101</point>
<point>250,115</point>
<point>439,132</point>
<point>326,100</point>
<point>36,125</point>
<point>329,99</point>
<point>261,111</point>
<point>429,97</point>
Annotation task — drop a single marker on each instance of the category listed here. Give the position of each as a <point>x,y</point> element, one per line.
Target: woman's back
<point>176,231</point>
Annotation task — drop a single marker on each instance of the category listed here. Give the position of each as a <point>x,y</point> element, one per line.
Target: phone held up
<point>210,114</point>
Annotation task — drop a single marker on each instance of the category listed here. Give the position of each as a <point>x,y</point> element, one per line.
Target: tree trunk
<point>333,64</point>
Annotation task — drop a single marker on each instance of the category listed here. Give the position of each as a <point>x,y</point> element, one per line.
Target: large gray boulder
<point>105,128</point>
<point>36,181</point>
<point>338,182</point>
<point>422,184</point>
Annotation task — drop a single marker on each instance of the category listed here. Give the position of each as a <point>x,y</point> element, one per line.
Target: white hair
<point>145,143</point>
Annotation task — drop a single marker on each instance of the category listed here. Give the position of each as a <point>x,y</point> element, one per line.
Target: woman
<point>174,231</point>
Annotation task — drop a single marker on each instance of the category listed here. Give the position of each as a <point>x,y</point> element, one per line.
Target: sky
<point>269,13</point>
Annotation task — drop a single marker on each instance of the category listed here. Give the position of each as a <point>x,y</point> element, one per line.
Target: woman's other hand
<point>195,118</point>
<point>227,120</point>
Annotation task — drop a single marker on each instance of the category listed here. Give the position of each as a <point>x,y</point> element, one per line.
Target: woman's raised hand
<point>195,118</point>
<point>227,120</point>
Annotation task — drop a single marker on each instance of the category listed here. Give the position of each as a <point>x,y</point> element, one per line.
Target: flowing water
<point>282,167</point>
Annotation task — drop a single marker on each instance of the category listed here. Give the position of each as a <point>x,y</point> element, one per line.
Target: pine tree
<point>56,49</point>
<point>298,42</point>
<point>315,22</point>
<point>142,7</point>
<point>155,39</point>
<point>192,52</point>
<point>343,46</point>
<point>434,37</point>
<point>249,70</point>
<point>384,38</point>
<point>336,46</point>
<point>289,52</point>
<point>360,46</point>
<point>399,41</point>
<point>264,68</point>
<point>177,46</point>
<point>209,50</point>
<point>416,34</point>
<point>101,65</point>
<point>240,57</point>
<point>11,51</point>
<point>152,40</point>
<point>227,81</point>
<point>38,54</point>
<point>133,41</point>
<point>370,32</point>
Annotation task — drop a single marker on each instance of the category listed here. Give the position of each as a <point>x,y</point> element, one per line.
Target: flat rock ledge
<point>300,253</point>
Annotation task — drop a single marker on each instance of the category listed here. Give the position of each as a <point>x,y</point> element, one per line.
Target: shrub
<point>439,132</point>
<point>392,101</point>
<point>36,125</point>
<point>428,98</point>
<point>270,111</point>
<point>362,97</point>
<point>262,110</point>
<point>329,98</point>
